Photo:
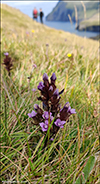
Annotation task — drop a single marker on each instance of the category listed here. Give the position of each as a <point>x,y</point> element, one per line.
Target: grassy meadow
<point>23,159</point>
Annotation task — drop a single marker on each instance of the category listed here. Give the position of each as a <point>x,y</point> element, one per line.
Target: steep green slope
<point>14,21</point>
<point>63,8</point>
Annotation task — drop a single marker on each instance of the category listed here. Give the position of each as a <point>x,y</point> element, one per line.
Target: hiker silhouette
<point>41,15</point>
<point>35,14</point>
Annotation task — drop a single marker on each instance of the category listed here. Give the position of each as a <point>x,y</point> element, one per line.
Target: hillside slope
<point>63,8</point>
<point>14,21</point>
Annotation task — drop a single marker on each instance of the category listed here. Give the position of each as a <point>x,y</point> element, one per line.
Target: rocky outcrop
<point>94,28</point>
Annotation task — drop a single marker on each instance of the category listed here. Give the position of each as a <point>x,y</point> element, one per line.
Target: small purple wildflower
<point>34,66</point>
<point>67,104</point>
<point>27,32</point>
<point>40,86</point>
<point>46,115</point>
<point>71,111</point>
<point>32,114</point>
<point>59,123</point>
<point>33,89</point>
<point>44,126</point>
<point>6,53</point>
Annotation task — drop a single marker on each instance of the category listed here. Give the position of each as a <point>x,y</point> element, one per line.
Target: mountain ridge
<point>63,8</point>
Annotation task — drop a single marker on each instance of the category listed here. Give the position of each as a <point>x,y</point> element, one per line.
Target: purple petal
<point>32,114</point>
<point>59,123</point>
<point>56,92</point>
<point>69,109</point>
<point>44,126</point>
<point>6,54</point>
<point>36,106</point>
<point>34,66</point>
<point>51,118</point>
<point>73,111</point>
<point>50,88</point>
<point>40,86</point>
<point>46,122</point>
<point>63,122</point>
<point>61,126</point>
<point>45,76</point>
<point>67,104</point>
<point>53,77</point>
<point>46,115</point>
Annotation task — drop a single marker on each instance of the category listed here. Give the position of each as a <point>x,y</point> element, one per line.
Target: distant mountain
<point>63,9</point>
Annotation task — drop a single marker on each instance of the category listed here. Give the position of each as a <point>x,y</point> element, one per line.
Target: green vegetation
<point>63,8</point>
<point>23,158</point>
<point>94,20</point>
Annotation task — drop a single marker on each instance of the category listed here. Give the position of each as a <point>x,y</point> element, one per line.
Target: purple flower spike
<point>45,77</point>
<point>59,123</point>
<point>53,77</point>
<point>32,114</point>
<point>6,54</point>
<point>40,86</point>
<point>44,126</point>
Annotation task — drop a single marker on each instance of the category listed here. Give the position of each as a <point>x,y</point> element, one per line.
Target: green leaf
<point>31,164</point>
<point>86,171</point>
<point>89,166</point>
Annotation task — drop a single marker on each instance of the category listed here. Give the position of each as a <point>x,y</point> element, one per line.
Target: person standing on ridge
<point>41,16</point>
<point>35,14</point>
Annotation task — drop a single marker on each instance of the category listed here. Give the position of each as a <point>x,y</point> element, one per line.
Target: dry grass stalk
<point>76,15</point>
<point>70,18</point>
<point>84,7</point>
